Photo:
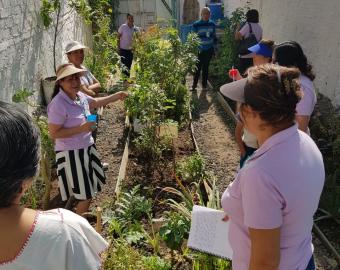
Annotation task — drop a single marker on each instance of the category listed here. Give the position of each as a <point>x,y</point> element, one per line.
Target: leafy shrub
<point>163,60</point>
<point>156,263</point>
<point>132,207</point>
<point>192,169</point>
<point>121,256</point>
<point>202,261</point>
<point>175,230</point>
<point>227,54</point>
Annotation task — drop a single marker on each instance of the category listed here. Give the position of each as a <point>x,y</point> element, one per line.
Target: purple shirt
<point>278,187</point>
<point>70,113</point>
<point>307,103</point>
<point>126,36</point>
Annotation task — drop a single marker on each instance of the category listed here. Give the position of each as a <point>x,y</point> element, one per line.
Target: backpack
<point>247,42</point>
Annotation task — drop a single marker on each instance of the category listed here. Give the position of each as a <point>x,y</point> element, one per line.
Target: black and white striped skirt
<point>80,173</point>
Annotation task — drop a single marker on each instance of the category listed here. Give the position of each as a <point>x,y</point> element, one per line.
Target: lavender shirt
<point>70,113</point>
<point>278,187</point>
<point>307,103</point>
<point>245,32</point>
<point>127,35</point>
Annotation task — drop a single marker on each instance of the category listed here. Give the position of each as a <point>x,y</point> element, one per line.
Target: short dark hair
<point>252,16</point>
<point>290,54</point>
<point>273,91</point>
<point>129,15</point>
<point>20,151</point>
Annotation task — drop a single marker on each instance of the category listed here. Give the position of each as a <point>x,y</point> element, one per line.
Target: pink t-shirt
<point>126,36</point>
<point>307,103</point>
<point>278,187</point>
<point>70,113</point>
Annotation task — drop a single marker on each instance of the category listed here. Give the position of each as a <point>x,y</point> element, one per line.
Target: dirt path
<point>214,134</point>
<point>110,144</point>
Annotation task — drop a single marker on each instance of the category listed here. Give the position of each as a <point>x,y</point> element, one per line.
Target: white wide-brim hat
<point>68,70</point>
<point>234,90</point>
<point>74,46</point>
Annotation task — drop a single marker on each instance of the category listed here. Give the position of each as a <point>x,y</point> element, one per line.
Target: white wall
<point>26,47</point>
<point>230,6</point>
<point>315,25</point>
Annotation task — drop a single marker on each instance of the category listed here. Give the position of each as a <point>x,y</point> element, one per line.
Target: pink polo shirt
<point>69,113</point>
<point>126,36</point>
<point>278,187</point>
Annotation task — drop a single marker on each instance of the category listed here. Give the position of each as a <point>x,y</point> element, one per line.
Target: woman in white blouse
<point>29,239</point>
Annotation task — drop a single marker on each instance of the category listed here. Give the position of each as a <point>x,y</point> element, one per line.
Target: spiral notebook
<point>208,233</point>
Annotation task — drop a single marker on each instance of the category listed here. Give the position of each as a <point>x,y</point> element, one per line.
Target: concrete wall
<point>26,47</point>
<point>230,6</point>
<point>315,25</point>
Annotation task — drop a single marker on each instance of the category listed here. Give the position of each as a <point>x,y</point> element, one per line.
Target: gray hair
<point>205,9</point>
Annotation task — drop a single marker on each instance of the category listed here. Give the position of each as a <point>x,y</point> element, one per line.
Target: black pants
<point>204,58</point>
<point>126,57</point>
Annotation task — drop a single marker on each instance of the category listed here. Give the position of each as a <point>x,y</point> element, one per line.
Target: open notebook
<point>208,233</point>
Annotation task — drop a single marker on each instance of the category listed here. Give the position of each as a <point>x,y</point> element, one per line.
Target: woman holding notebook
<point>271,203</point>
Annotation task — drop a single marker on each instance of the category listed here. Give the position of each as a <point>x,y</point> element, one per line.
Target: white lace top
<point>59,240</point>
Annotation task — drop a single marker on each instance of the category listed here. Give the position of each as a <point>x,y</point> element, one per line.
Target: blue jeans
<point>311,264</point>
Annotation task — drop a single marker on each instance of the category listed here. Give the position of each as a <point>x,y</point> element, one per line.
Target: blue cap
<point>261,49</point>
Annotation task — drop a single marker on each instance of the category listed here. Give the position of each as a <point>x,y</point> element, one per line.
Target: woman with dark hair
<point>271,203</point>
<point>79,169</point>
<point>29,239</point>
<point>251,27</point>
<point>247,142</point>
<point>290,54</point>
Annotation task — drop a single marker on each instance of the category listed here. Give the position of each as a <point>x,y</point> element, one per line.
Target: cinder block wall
<point>315,25</point>
<point>26,47</point>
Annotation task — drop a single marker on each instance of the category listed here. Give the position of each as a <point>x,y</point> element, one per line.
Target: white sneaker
<point>105,166</point>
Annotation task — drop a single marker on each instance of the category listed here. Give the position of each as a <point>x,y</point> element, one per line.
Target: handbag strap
<point>250,28</point>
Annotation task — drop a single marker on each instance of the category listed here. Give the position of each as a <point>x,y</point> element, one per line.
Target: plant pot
<point>48,88</point>
<point>168,130</point>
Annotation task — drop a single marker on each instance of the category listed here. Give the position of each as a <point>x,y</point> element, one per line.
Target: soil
<point>110,143</point>
<point>214,134</point>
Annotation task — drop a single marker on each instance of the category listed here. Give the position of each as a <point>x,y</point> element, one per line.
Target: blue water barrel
<point>185,30</point>
<point>216,11</point>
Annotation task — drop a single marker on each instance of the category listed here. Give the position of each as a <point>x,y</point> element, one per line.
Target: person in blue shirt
<point>206,30</point>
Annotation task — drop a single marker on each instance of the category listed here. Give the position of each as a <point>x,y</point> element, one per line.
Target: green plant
<point>131,206</point>
<point>47,146</point>
<point>202,261</point>
<point>121,256</point>
<point>175,230</point>
<point>192,169</point>
<point>156,263</point>
<point>163,60</point>
<point>227,54</point>
<point>104,59</point>
<point>48,7</point>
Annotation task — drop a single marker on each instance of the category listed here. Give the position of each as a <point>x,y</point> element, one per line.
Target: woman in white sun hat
<point>76,54</point>
<point>79,169</point>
